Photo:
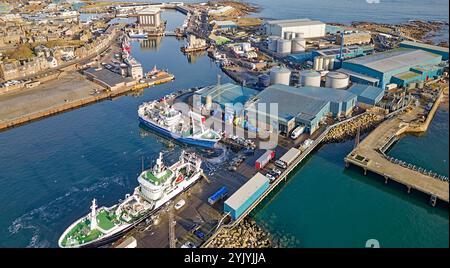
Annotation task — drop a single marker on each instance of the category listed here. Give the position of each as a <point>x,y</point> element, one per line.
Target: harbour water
<point>51,169</point>
<point>325,205</point>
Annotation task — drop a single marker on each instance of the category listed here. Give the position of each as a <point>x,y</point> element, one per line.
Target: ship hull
<point>110,238</point>
<point>168,134</point>
<point>138,36</point>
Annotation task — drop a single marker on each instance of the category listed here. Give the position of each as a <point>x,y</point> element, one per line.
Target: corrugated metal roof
<point>366,91</point>
<point>426,46</point>
<point>358,75</point>
<point>287,21</point>
<point>222,23</point>
<point>107,77</point>
<point>290,102</point>
<point>228,93</point>
<point>407,75</point>
<point>328,94</point>
<point>395,59</point>
<point>246,191</point>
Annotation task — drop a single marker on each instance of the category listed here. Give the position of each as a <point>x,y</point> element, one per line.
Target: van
<point>280,164</point>
<point>297,132</point>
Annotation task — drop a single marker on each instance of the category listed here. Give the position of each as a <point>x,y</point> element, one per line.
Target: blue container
<point>221,193</point>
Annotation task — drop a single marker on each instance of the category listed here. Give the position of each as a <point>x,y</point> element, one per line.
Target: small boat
<point>140,34</point>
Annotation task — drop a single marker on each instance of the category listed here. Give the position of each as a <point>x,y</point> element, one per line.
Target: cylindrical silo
<point>337,80</point>
<point>298,45</point>
<point>284,46</point>
<point>326,64</point>
<point>320,63</point>
<point>273,40</point>
<point>264,80</point>
<point>332,61</point>
<point>280,75</point>
<point>316,64</point>
<point>310,78</point>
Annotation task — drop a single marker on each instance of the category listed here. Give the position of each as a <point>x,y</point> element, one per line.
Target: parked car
<point>180,204</point>
<point>232,168</point>
<point>199,234</point>
<point>280,164</point>
<point>276,171</point>
<point>270,177</point>
<point>188,244</point>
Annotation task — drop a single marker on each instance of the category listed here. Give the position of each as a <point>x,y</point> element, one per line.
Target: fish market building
<point>395,66</point>
<point>229,98</point>
<point>307,106</point>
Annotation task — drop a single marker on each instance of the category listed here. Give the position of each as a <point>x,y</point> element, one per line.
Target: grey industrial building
<point>107,78</point>
<point>306,106</point>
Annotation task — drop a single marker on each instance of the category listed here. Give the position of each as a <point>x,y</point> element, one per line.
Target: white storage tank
<point>284,46</point>
<point>320,63</point>
<point>332,62</point>
<point>298,45</point>
<point>337,80</point>
<point>316,64</point>
<point>310,78</point>
<point>326,64</point>
<point>280,75</point>
<point>272,44</point>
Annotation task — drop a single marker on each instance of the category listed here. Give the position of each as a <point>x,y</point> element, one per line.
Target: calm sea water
<point>326,205</point>
<point>346,11</point>
<point>51,169</point>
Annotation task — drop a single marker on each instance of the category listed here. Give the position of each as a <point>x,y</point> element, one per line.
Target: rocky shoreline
<point>349,130</point>
<point>414,29</point>
<point>247,234</point>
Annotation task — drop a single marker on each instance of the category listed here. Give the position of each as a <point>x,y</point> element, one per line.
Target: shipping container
<point>221,193</point>
<point>264,159</point>
<point>290,156</point>
<point>245,196</point>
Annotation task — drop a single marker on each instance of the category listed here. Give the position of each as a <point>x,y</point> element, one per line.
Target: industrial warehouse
<point>400,66</point>
<point>307,106</point>
<point>222,95</point>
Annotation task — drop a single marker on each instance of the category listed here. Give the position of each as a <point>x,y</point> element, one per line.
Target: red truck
<point>264,159</point>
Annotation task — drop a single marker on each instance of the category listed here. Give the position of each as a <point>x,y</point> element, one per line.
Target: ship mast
<point>159,166</point>
<point>93,214</point>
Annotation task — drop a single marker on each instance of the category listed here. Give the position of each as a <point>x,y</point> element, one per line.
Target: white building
<point>135,69</point>
<point>309,28</point>
<point>149,17</point>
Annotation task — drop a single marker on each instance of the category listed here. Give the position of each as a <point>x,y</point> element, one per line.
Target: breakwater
<point>349,129</point>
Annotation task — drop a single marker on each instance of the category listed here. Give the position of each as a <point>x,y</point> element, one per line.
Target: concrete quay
<point>369,154</point>
<point>59,95</point>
